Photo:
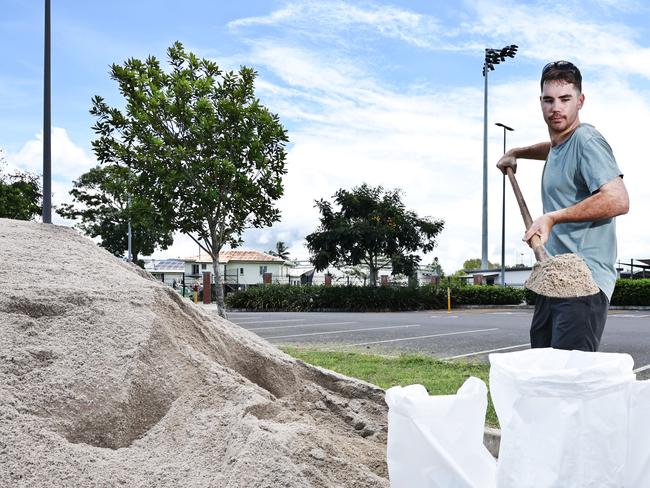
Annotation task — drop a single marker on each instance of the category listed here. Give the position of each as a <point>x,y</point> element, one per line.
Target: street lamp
<point>492,58</point>
<point>47,124</point>
<point>503,211</point>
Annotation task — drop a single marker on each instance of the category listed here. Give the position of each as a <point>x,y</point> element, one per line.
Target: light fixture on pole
<point>503,211</point>
<point>492,58</point>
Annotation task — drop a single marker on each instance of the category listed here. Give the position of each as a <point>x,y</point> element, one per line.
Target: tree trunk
<point>218,283</point>
<point>372,276</point>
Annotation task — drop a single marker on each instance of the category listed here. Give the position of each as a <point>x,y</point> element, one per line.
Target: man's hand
<point>541,227</point>
<point>507,161</point>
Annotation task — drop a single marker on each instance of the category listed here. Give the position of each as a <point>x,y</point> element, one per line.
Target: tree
<point>202,148</point>
<point>281,250</point>
<point>20,194</point>
<point>102,204</point>
<point>475,263</point>
<point>371,227</point>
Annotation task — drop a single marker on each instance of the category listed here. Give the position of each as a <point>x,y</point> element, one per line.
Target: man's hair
<point>561,71</point>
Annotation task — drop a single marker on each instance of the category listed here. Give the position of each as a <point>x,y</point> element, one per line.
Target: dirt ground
<point>109,378</point>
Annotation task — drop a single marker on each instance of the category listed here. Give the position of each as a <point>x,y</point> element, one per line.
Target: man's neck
<point>558,138</point>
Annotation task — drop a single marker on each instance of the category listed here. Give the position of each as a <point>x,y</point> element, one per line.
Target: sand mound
<point>108,378</point>
<point>562,276</point>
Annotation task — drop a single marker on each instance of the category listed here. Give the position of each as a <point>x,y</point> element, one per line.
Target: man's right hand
<point>507,161</point>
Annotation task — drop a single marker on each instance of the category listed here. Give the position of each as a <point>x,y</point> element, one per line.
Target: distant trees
<point>20,193</point>
<point>281,250</point>
<point>202,149</point>
<point>475,263</point>
<point>370,226</point>
<point>105,203</point>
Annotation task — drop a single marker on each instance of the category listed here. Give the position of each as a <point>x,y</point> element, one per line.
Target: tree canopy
<point>281,250</point>
<point>204,151</point>
<point>104,204</point>
<point>475,263</point>
<point>20,194</point>
<point>371,227</point>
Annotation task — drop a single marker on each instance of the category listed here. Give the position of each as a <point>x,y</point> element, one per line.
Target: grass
<point>438,377</point>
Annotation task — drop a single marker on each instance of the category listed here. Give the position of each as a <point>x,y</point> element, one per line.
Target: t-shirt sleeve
<point>597,164</point>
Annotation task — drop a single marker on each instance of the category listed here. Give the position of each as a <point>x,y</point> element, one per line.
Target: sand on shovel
<point>109,378</point>
<point>562,276</point>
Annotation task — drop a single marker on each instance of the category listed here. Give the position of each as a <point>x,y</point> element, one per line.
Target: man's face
<point>561,103</point>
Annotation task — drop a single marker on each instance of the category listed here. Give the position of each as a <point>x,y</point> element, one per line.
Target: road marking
<point>444,316</point>
<point>506,313</point>
<point>303,325</point>
<point>628,316</point>
<point>343,331</point>
<point>269,321</point>
<point>484,352</point>
<point>642,368</point>
<point>420,337</point>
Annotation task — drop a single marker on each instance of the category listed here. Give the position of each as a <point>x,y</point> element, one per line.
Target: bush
<point>632,293</point>
<point>368,299</point>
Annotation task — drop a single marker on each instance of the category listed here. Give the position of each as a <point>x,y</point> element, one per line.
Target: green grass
<point>438,377</point>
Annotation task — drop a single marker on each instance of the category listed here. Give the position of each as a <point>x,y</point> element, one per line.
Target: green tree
<point>104,205</point>
<point>281,250</point>
<point>475,263</point>
<point>20,194</point>
<point>371,227</point>
<point>203,149</point>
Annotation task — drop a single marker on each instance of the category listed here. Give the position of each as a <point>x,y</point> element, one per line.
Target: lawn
<point>438,377</point>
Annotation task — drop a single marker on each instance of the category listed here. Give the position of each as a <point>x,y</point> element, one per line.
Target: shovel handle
<point>535,241</point>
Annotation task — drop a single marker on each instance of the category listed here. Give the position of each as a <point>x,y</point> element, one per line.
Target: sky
<point>387,93</point>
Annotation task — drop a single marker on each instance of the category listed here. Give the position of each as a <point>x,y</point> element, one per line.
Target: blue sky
<point>387,93</point>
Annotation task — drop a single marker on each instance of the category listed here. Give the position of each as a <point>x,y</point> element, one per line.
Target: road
<point>466,333</point>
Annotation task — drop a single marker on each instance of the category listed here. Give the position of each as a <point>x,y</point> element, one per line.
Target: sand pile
<point>108,378</point>
<point>563,276</point>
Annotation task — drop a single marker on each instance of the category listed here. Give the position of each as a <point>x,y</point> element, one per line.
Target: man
<point>582,192</point>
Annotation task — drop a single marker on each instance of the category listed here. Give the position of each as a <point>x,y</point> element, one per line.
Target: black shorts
<point>569,323</point>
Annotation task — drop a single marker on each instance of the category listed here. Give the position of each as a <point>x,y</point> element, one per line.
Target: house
<point>515,277</point>
<point>240,268</point>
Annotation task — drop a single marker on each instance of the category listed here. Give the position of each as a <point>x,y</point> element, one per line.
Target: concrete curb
<point>492,440</point>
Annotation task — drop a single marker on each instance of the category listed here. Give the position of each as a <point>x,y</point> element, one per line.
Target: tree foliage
<point>104,204</point>
<point>281,250</point>
<point>475,263</point>
<point>20,194</point>
<point>202,148</point>
<point>371,227</point>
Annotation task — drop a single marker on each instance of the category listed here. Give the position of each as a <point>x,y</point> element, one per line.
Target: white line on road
<point>485,352</point>
<point>302,325</point>
<point>268,321</point>
<point>642,368</point>
<point>444,316</point>
<point>343,331</point>
<point>420,337</point>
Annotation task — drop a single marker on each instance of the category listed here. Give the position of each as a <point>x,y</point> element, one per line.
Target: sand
<point>109,378</point>
<point>562,276</point>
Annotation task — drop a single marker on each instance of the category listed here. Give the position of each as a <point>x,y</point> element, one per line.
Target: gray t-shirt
<point>573,171</point>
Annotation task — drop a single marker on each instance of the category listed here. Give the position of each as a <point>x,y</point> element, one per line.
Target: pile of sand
<point>562,276</point>
<point>108,378</point>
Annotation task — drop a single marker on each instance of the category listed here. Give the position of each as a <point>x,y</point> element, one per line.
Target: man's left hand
<point>541,227</point>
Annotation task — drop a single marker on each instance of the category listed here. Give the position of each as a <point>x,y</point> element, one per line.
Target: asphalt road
<point>466,333</point>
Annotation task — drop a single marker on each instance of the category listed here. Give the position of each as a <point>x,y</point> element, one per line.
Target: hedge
<point>368,299</point>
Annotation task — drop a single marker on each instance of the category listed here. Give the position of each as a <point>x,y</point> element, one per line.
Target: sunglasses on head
<point>561,65</point>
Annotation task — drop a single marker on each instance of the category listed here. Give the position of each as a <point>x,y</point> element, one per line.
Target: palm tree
<point>281,250</point>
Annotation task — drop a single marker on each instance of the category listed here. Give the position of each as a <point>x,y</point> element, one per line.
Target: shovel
<point>562,276</point>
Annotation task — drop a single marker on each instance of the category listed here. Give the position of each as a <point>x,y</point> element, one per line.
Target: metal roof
<point>237,255</point>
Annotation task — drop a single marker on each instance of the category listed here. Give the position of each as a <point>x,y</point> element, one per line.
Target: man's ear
<point>581,100</point>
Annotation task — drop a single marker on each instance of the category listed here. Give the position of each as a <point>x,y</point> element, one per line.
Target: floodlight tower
<point>492,58</point>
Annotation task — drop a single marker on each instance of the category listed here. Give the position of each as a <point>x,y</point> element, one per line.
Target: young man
<point>582,192</point>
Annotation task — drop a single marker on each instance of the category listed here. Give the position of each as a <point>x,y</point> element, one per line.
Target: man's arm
<point>536,151</point>
<point>609,201</point>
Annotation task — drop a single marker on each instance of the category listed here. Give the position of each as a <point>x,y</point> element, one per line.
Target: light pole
<point>503,211</point>
<point>47,123</point>
<point>492,58</point>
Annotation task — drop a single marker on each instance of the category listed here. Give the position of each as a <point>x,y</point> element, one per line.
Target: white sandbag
<point>638,458</point>
<point>437,441</point>
<point>563,417</point>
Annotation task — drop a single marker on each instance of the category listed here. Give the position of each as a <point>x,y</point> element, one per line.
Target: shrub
<point>632,292</point>
<point>367,299</point>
